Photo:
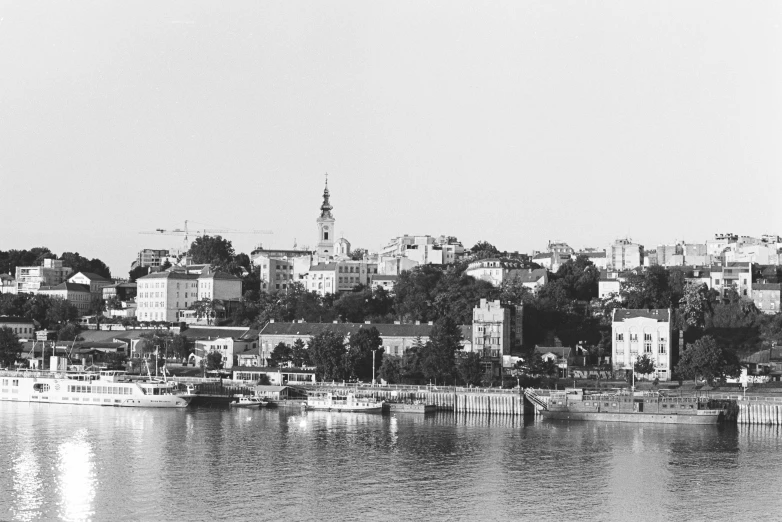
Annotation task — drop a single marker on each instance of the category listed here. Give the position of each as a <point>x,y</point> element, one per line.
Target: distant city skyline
<point>515,123</point>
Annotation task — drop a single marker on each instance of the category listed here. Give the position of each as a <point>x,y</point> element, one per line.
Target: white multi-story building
<point>495,271</point>
<point>219,285</point>
<point>94,281</point>
<point>767,297</point>
<point>161,295</point>
<point>7,284</point>
<point>78,295</point>
<point>167,296</point>
<point>149,257</point>
<point>642,332</point>
<point>419,250</point>
<point>339,276</point>
<point>625,255</point>
<point>732,275</point>
<point>496,329</point>
<point>51,273</point>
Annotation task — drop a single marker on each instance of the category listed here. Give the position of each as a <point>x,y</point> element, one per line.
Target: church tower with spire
<point>325,228</point>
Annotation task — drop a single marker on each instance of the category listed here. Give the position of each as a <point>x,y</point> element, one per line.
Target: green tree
<point>706,359</point>
<point>10,347</point>
<point>328,354</point>
<point>59,311</point>
<point>69,332</point>
<point>79,263</point>
<point>213,250</point>
<point>483,249</point>
<point>97,305</point>
<point>414,293</point>
<point>300,356</point>
<point>114,303</point>
<point>205,308</point>
<point>579,278</point>
<point>180,346</point>
<point>391,369</point>
<point>139,271</point>
<point>281,354</point>
<point>359,360</point>
<point>643,365</point>
<point>470,369</point>
<point>439,358</point>
<point>695,304</point>
<point>358,254</point>
<point>214,361</point>
<point>647,290</point>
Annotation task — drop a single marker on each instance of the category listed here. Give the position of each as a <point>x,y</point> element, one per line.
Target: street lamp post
<point>373,366</point>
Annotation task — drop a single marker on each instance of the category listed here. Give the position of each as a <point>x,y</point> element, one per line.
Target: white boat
<point>343,402</point>
<point>105,388</point>
<point>249,401</point>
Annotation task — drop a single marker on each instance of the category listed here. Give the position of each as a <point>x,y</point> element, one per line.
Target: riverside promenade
<point>493,401</point>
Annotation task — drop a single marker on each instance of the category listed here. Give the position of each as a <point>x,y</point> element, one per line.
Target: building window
<point>633,337</point>
<point>661,348</point>
<point>648,346</point>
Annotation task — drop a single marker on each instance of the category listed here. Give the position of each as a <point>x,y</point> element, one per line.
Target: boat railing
<point>44,374</point>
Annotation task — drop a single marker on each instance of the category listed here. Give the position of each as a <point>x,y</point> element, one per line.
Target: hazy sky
<point>515,122</point>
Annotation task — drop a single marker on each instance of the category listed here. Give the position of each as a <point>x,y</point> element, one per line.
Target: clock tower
<point>325,228</point>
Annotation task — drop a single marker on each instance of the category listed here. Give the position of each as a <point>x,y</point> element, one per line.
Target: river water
<point>89,463</point>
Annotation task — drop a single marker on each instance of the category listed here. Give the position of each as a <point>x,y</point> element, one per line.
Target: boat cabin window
<point>40,387</point>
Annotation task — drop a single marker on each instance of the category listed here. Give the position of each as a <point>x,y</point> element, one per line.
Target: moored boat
<point>573,404</point>
<point>104,388</point>
<point>410,407</point>
<point>342,402</point>
<point>249,401</point>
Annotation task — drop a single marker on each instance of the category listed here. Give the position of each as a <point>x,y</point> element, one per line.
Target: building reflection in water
<point>76,477</point>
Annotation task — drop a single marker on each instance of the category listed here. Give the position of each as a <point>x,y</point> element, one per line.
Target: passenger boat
<point>410,407</point>
<point>342,402</point>
<point>249,401</point>
<point>104,388</point>
<point>650,407</point>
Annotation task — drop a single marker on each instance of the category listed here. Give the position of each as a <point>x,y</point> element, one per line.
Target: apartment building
<point>643,332</point>
<point>78,295</point>
<point>766,297</point>
<point>94,281</point>
<point>623,254</point>
<point>496,271</point>
<point>339,276</point>
<point>51,273</point>
<point>161,295</point>
<point>149,257</point>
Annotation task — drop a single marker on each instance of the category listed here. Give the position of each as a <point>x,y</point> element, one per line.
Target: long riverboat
<point>574,404</point>
<point>342,402</point>
<point>105,388</point>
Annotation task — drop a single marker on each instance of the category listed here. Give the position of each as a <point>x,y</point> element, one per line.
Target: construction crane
<point>187,233</point>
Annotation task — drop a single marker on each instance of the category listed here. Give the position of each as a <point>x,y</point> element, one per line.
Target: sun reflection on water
<point>27,486</point>
<point>76,477</point>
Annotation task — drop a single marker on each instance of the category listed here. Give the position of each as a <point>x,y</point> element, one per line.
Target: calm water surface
<point>86,463</point>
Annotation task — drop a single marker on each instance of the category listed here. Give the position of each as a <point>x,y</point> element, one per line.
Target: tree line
<point>10,259</point>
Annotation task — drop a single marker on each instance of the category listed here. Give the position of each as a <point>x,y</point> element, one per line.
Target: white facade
<point>339,276</point>
<point>442,250</point>
<point>30,278</point>
<point>219,285</point>
<point>93,281</point>
<point>326,230</point>
<point>625,255</point>
<point>78,295</point>
<point>642,332</point>
<point>161,295</point>
<point>493,270</point>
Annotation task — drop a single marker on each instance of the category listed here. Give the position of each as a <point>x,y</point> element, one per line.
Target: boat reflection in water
<point>349,402</point>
